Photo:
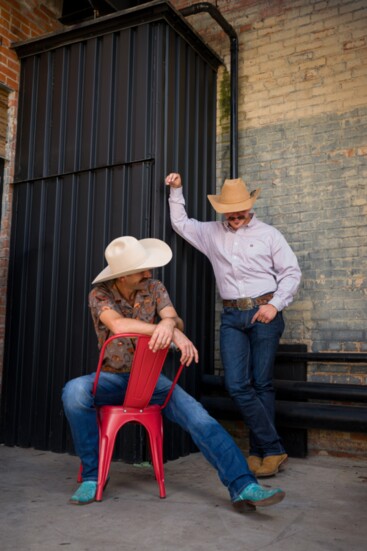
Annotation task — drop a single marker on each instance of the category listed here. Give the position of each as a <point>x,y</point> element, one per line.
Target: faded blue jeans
<point>209,436</point>
<point>248,353</point>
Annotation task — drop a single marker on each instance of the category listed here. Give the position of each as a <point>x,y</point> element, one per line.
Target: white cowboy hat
<point>233,197</point>
<point>127,255</point>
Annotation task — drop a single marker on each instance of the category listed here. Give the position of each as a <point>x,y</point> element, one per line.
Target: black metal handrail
<point>299,390</point>
<point>339,357</point>
<point>293,410</point>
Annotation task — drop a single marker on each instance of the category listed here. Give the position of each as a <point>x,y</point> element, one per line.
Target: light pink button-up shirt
<point>249,262</point>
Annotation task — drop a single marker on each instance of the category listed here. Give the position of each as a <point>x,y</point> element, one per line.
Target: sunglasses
<point>240,217</point>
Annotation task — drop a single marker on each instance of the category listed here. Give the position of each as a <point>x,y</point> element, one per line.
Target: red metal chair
<point>145,371</point>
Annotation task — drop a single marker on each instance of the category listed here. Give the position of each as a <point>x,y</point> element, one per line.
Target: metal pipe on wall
<point>229,30</point>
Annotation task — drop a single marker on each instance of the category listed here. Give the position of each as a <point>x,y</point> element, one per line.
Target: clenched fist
<point>173,180</point>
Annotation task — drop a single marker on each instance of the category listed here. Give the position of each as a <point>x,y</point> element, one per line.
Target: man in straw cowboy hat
<point>257,276</point>
<point>126,299</point>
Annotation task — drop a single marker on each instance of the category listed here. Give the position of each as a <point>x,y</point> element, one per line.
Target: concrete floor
<point>325,508</point>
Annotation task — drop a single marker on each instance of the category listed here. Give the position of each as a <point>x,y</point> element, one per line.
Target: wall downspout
<point>231,33</point>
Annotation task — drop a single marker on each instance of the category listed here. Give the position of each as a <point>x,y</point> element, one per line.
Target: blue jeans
<point>209,436</point>
<point>248,354</point>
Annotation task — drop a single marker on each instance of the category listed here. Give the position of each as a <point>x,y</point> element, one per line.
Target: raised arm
<point>194,232</point>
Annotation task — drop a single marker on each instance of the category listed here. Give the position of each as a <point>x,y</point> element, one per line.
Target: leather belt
<point>247,303</point>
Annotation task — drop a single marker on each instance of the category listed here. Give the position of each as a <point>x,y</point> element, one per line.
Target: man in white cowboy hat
<point>257,276</point>
<point>127,299</point>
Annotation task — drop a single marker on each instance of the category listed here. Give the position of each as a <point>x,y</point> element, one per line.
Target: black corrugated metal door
<point>102,118</point>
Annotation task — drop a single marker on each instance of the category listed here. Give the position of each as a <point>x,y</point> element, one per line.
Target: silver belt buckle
<point>245,303</point>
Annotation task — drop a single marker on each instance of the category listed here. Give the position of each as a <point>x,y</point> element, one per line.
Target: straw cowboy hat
<point>233,197</point>
<point>127,255</point>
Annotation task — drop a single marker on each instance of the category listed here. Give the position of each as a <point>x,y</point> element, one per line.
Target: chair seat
<point>116,410</point>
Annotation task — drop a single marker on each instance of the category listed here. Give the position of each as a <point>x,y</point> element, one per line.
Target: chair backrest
<point>145,370</point>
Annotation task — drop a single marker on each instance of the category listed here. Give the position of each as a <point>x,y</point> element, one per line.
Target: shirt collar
<point>227,227</point>
<point>118,298</point>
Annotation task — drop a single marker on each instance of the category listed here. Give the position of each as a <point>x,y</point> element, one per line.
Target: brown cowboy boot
<point>254,463</point>
<point>271,465</point>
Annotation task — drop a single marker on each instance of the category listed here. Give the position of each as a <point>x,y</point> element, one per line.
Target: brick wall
<point>19,20</point>
<point>303,139</point>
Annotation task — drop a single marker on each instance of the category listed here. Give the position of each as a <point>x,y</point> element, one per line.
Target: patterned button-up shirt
<point>148,303</point>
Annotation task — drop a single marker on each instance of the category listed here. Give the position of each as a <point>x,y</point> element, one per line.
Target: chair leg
<point>80,474</point>
<point>106,446</point>
<point>156,451</point>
